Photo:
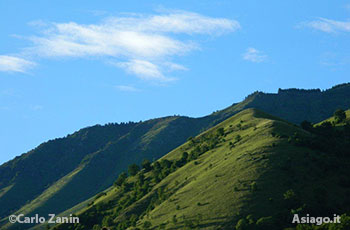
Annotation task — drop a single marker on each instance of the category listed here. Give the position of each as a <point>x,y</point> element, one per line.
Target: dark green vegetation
<point>252,171</point>
<point>297,105</point>
<point>67,171</point>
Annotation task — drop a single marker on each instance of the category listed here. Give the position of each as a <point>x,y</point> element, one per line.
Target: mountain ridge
<point>102,147</point>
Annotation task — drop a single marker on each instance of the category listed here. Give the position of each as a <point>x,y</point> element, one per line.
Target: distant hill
<point>63,172</point>
<point>297,105</point>
<point>252,171</point>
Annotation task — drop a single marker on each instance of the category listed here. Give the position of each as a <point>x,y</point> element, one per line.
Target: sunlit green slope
<point>252,168</point>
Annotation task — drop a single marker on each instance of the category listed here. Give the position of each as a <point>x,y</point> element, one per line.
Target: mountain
<point>252,171</point>
<point>66,171</point>
<point>61,173</point>
<point>297,105</point>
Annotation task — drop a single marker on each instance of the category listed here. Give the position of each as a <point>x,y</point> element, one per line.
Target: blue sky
<point>65,65</point>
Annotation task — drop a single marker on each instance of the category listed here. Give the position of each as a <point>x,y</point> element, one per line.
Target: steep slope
<point>64,172</point>
<point>28,175</point>
<point>251,169</point>
<point>54,176</point>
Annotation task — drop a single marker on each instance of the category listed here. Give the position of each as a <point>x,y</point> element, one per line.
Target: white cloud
<point>174,66</point>
<point>126,88</point>
<point>138,42</point>
<point>328,25</point>
<point>254,55</point>
<point>143,69</point>
<point>73,40</point>
<point>14,64</point>
<point>177,22</point>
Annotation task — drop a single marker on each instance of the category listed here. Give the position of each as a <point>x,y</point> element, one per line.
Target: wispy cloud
<point>14,64</point>
<point>74,40</point>
<point>254,55</point>
<point>176,22</point>
<point>174,66</point>
<point>328,25</point>
<point>126,88</point>
<point>138,43</point>
<point>143,69</point>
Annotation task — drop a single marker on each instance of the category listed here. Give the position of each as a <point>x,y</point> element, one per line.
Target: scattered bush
<point>220,131</point>
<point>121,178</point>
<point>133,169</point>
<point>339,116</point>
<point>146,164</point>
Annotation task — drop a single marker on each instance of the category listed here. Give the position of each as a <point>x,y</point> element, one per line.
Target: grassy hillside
<point>74,168</point>
<point>333,120</point>
<point>252,169</point>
